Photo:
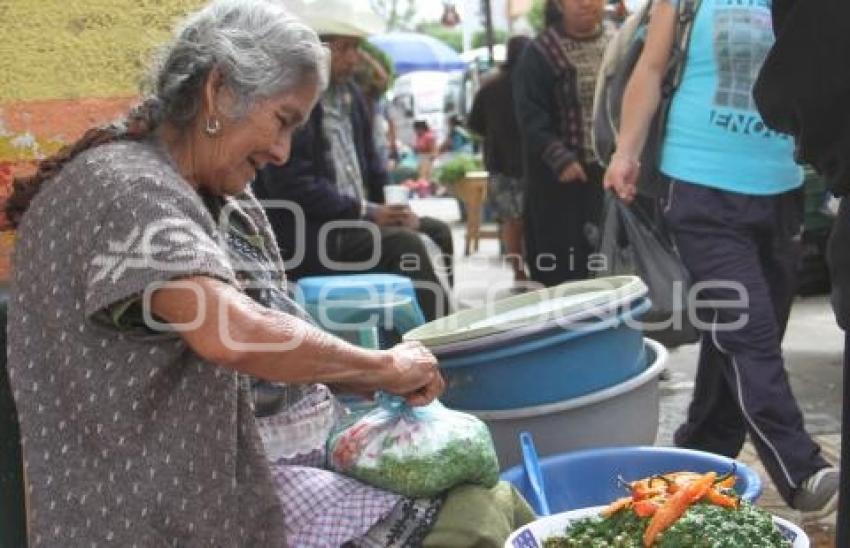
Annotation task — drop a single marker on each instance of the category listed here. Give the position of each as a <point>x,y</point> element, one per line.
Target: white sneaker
<point>818,496</point>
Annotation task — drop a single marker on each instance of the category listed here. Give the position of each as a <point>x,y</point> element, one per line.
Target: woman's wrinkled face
<point>263,136</point>
<point>582,16</point>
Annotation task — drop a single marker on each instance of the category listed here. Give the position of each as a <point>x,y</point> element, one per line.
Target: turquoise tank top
<point>715,136</point>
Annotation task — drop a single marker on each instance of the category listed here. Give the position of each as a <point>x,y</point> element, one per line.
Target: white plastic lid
<point>538,308</point>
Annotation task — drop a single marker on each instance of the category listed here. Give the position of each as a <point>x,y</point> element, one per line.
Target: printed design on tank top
<point>743,35</point>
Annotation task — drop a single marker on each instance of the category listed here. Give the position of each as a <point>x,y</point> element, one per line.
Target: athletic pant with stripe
<point>743,249</point>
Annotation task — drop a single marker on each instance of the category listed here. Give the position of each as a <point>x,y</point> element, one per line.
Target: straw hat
<point>338,17</point>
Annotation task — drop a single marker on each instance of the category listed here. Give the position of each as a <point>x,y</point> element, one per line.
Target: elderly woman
<point>148,293</point>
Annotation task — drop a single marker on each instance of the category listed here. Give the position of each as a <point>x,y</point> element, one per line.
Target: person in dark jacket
<point>492,117</point>
<point>553,95</point>
<point>811,101</point>
<point>336,179</point>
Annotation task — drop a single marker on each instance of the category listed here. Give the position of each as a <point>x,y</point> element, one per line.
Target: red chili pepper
<point>715,497</point>
<point>644,508</point>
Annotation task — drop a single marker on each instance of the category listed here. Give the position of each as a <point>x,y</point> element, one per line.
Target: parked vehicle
<point>423,95</point>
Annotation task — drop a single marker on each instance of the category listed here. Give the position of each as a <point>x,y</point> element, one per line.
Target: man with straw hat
<point>335,174</point>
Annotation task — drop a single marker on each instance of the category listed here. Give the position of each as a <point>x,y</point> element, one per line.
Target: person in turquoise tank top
<point>734,210</point>
<point>715,136</point>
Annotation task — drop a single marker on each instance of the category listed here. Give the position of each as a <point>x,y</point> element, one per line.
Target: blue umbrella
<point>411,51</point>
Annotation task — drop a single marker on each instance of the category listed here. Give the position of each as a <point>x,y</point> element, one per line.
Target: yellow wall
<point>65,66</point>
<point>65,49</point>
<point>56,55</point>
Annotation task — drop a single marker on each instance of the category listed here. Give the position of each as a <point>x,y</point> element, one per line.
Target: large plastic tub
<point>624,414</point>
<point>540,348</point>
<point>589,478</point>
<point>556,366</point>
<point>564,306</point>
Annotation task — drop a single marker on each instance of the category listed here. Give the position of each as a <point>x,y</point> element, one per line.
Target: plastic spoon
<point>535,476</point>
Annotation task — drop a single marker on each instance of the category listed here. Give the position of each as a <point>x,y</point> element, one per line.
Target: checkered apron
<point>321,508</point>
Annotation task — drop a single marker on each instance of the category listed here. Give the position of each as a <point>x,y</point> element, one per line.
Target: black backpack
<point>620,59</point>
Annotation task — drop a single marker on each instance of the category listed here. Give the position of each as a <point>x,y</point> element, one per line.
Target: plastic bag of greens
<point>414,451</point>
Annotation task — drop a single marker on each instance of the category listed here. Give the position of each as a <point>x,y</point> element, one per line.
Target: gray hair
<point>260,48</point>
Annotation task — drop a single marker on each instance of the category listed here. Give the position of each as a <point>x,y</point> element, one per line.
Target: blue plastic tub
<point>589,477</point>
<point>625,414</point>
<point>555,365</point>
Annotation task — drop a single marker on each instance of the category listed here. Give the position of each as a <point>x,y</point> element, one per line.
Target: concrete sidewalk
<point>813,349</point>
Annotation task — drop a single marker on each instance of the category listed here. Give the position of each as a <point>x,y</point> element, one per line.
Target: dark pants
<point>741,383</point>
<point>557,218</point>
<point>401,251</point>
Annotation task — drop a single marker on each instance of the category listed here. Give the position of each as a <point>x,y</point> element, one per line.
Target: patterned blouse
<point>130,438</point>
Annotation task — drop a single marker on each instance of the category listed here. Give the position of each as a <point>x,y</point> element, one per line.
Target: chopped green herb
<point>419,452</point>
<point>431,474</point>
<point>702,526</point>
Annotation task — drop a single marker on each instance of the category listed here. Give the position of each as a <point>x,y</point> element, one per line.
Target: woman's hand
<point>409,370</point>
<point>413,374</point>
<point>232,331</point>
<point>621,177</point>
<point>573,172</point>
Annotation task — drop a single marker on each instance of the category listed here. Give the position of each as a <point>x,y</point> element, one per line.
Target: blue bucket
<point>371,310</point>
<point>589,477</point>
<point>555,365</point>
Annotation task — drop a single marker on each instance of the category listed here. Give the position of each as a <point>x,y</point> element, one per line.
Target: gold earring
<point>213,126</point>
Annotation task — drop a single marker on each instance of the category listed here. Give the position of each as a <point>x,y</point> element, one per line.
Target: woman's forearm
<point>228,328</point>
<point>281,347</point>
<point>640,102</point>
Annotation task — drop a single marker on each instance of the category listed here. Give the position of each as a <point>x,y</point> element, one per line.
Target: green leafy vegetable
<point>414,451</point>
<point>456,168</point>
<point>430,474</point>
<point>702,526</point>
